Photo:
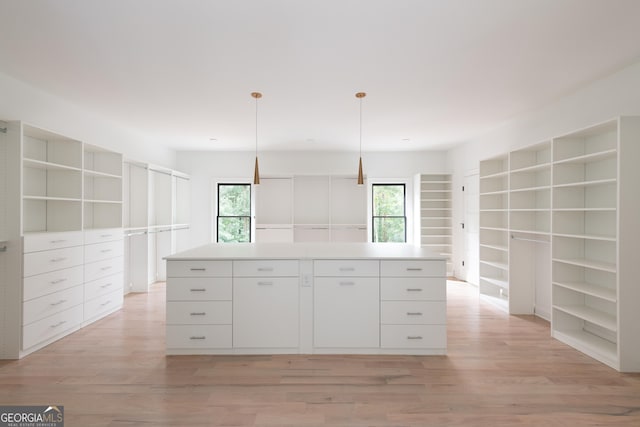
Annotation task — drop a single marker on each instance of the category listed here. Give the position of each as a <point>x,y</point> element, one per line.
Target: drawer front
<point>103,235</point>
<point>198,268</point>
<point>102,304</point>
<point>346,268</point>
<point>57,259</point>
<point>198,336</point>
<point>45,306</point>
<point>100,251</point>
<point>48,241</point>
<point>103,286</point>
<point>100,269</point>
<point>48,283</point>
<point>413,289</point>
<point>51,326</point>
<point>413,268</point>
<point>266,268</point>
<point>199,313</point>
<point>199,289</point>
<point>413,312</point>
<point>413,336</point>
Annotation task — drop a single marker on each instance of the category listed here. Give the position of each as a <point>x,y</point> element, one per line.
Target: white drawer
<point>347,267</point>
<point>199,289</point>
<point>56,259</point>
<point>39,308</point>
<point>413,336</point>
<point>47,241</point>
<point>198,336</point>
<point>199,313</point>
<point>47,283</point>
<point>198,268</point>
<point>413,268</point>
<point>103,304</point>
<point>100,251</point>
<point>103,286</point>
<point>413,312</point>
<point>266,268</point>
<point>51,326</point>
<point>103,235</point>
<point>410,288</point>
<point>99,269</point>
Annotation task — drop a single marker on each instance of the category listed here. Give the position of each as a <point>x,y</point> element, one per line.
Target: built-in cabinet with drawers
<point>231,300</point>
<point>64,235</point>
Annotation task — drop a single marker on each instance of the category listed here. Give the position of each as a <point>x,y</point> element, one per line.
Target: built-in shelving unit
<point>102,188</point>
<point>435,215</point>
<point>494,229</point>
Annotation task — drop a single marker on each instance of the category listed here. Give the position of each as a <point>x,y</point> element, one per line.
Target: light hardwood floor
<point>500,371</point>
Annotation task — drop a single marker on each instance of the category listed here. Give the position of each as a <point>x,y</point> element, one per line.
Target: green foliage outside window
<point>234,213</point>
<point>389,221</point>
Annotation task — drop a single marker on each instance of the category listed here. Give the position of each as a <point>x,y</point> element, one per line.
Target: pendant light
<point>256,173</point>
<point>360,95</point>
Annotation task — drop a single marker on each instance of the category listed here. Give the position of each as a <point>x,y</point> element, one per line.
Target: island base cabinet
<point>413,336</point>
<point>265,312</point>
<point>199,336</point>
<point>346,312</point>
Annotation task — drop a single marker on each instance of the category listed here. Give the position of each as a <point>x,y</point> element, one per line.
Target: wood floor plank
<point>500,370</point>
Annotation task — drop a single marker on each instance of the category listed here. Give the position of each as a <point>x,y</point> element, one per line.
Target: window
<point>234,213</point>
<point>389,220</point>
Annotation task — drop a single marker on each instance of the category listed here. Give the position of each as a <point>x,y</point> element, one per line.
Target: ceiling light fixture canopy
<point>360,95</point>
<point>256,172</point>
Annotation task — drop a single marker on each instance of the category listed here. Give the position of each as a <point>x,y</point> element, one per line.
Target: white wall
<point>614,95</point>
<point>206,167</point>
<point>19,101</point>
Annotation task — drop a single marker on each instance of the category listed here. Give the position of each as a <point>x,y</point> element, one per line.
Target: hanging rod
<point>137,233</point>
<point>529,240</point>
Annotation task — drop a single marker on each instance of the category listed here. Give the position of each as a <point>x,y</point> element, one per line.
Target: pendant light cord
<point>360,127</point>
<point>256,126</point>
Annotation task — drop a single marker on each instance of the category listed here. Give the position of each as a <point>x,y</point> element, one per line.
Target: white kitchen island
<point>309,298</point>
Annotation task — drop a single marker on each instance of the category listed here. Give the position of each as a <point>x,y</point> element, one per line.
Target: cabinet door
<point>265,312</point>
<point>346,312</point>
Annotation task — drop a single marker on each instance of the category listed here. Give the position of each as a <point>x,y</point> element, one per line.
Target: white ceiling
<point>437,72</point>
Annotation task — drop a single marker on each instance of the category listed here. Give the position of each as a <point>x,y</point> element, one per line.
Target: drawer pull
<point>60,323</point>
<point>106,235</point>
<point>105,303</point>
<point>57,241</point>
<point>413,313</point>
<point>347,283</point>
<point>414,290</point>
<point>59,302</point>
<point>414,337</point>
<point>265,283</point>
<point>347,269</point>
<point>104,251</point>
<point>106,286</point>
<point>58,259</point>
<point>198,290</point>
<point>199,314</point>
<point>106,268</point>
<point>55,282</point>
<point>265,268</point>
<point>198,338</point>
<point>413,269</point>
<point>198,269</point>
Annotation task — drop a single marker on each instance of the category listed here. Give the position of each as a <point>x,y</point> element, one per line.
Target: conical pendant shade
<point>256,173</point>
<point>360,176</point>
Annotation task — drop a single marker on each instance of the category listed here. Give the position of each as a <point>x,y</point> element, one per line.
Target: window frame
<point>218,216</point>
<point>373,209</point>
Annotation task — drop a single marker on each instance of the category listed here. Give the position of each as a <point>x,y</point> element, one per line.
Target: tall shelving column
<point>435,215</point>
<point>529,230</point>
<point>494,230</point>
<point>181,212</point>
<point>595,242</point>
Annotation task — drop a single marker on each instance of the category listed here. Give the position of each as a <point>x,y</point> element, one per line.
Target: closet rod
<point>529,240</point>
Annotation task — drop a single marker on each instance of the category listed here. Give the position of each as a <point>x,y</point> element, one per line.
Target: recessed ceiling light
<point>310,141</point>
<point>406,140</point>
<point>213,139</point>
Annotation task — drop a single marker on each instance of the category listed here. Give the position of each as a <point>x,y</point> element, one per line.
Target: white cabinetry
<point>435,230</point>
<point>274,209</point>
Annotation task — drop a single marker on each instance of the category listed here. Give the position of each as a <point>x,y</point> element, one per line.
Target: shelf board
<point>532,189</point>
<point>496,247</point>
<point>434,182</point>
<point>596,347</point>
<point>98,174</point>
<point>532,168</point>
<point>180,227</point>
<point>586,237</point>
<point>495,175</point>
<point>589,289</point>
<point>595,265</point>
<point>436,244</point>
<point>56,199</point>
<point>496,264</point>
<point>493,193</point>
<point>443,190</point>
<point>589,314</point>
<point>39,164</point>
<point>586,183</point>
<point>494,228</point>
<point>525,231</point>
<point>494,210</point>
<point>112,202</point>
<point>497,282</point>
<point>584,209</point>
<point>586,158</point>
<point>531,210</point>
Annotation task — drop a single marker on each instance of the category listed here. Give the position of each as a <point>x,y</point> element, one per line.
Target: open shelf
<point>589,289</point>
<point>589,314</point>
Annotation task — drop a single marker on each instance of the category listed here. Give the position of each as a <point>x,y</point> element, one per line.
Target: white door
<point>470,269</point>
